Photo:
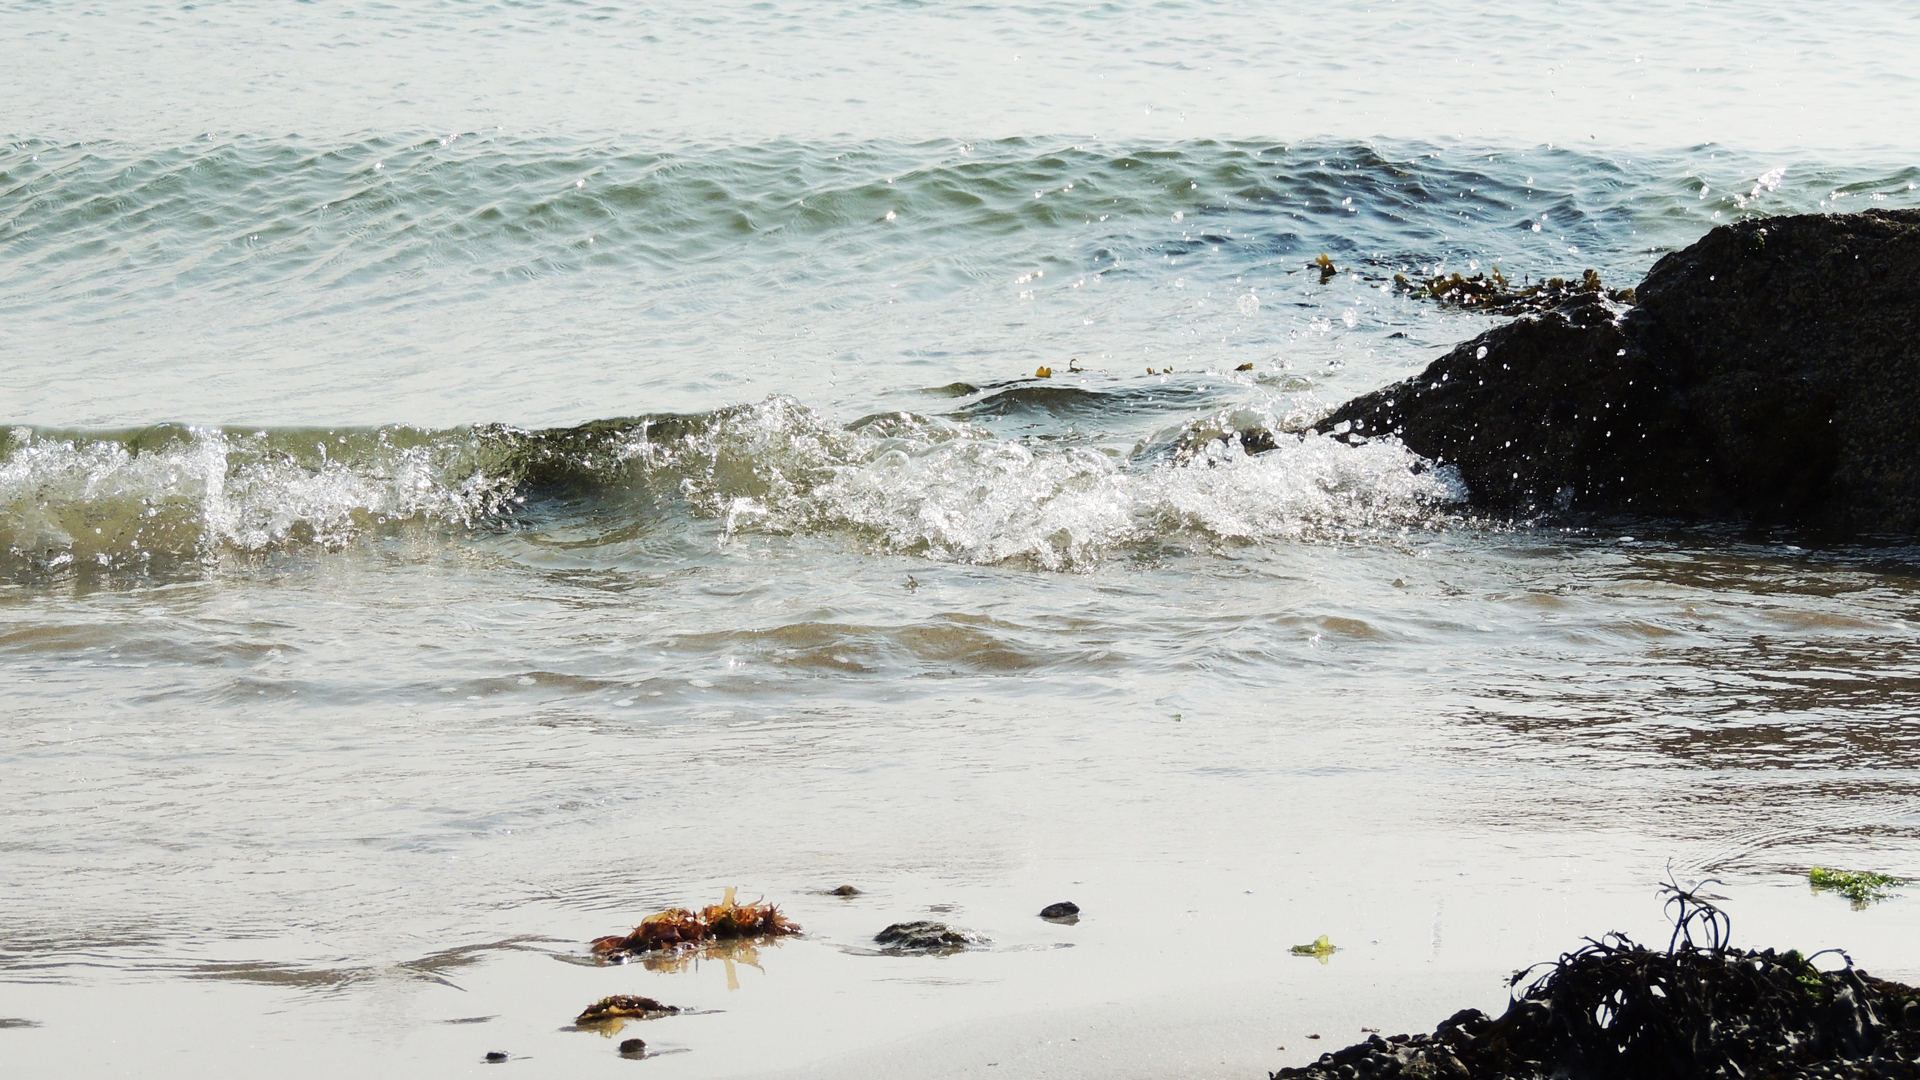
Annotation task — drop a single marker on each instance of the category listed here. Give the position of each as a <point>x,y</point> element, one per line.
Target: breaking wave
<point>937,487</point>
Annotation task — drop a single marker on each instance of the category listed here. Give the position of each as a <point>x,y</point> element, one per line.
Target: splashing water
<point>934,487</point>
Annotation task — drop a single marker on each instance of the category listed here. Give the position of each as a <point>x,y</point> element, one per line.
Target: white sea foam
<point>953,493</point>
<point>1068,508</point>
<point>938,488</point>
<point>104,503</point>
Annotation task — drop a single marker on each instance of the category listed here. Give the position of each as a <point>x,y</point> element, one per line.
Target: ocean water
<point>473,475</point>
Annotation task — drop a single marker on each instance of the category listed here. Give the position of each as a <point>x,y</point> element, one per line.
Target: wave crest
<point>936,487</point>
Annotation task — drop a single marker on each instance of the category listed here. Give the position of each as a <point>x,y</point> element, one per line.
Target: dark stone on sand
<point>1770,375</point>
<point>1065,909</point>
<point>496,1056</point>
<point>845,890</point>
<point>922,937</point>
<point>633,1046</point>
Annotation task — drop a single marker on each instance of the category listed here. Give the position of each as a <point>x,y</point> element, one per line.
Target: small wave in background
<point>546,280</point>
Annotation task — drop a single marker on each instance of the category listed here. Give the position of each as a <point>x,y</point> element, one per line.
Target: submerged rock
<point>922,937</point>
<point>1770,374</point>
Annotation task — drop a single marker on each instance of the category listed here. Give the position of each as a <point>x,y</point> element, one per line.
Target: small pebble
<point>496,1056</point>
<point>845,890</point>
<point>1065,909</point>
<point>633,1046</point>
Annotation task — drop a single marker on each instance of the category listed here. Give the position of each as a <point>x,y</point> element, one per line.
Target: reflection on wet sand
<point>740,951</point>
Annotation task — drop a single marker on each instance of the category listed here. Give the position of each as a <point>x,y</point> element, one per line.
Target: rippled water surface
<point>474,475</point>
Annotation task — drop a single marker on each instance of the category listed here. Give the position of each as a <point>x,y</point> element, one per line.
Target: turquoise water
<point>548,280</point>
<point>473,475</point>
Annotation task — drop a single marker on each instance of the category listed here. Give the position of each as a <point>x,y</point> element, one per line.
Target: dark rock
<point>844,890</point>
<point>1546,412</point>
<point>496,1056</point>
<point>633,1047</point>
<point>922,937</point>
<point>1065,909</point>
<point>1770,374</point>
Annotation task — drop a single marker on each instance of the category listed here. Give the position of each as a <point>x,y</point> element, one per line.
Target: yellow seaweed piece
<point>1321,949</point>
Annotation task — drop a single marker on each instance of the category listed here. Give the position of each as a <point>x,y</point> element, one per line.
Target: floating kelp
<point>1617,1009</point>
<point>1860,886</point>
<point>677,927</point>
<point>1492,292</point>
<point>623,1007</point>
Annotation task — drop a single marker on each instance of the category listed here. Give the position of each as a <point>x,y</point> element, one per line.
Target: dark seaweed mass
<point>1615,1009</point>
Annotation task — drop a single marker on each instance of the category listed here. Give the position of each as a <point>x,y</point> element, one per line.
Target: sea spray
<point>936,487</point>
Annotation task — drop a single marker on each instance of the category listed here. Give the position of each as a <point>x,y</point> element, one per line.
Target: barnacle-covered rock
<point>923,937</point>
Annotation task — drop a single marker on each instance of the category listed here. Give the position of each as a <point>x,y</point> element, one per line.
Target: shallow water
<point>482,474</point>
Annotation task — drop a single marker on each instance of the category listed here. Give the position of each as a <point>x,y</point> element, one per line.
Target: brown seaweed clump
<point>1494,293</point>
<point>1614,1009</point>
<point>676,927</point>
<point>623,1006</point>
